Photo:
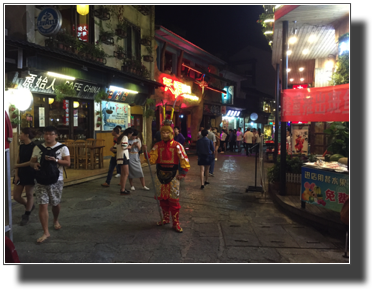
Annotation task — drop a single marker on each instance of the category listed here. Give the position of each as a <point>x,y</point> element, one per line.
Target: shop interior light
<point>292,39</point>
<point>268,20</point>
<point>60,75</point>
<point>82,9</point>
<point>329,65</point>
<point>22,98</point>
<point>291,79</point>
<point>288,70</point>
<point>76,104</point>
<point>312,38</point>
<point>305,51</point>
<point>301,79</point>
<point>301,69</point>
<point>51,100</point>
<point>268,32</point>
<point>114,88</point>
<point>288,52</point>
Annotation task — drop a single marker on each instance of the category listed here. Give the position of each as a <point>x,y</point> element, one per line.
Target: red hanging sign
<point>322,104</point>
<point>304,86</point>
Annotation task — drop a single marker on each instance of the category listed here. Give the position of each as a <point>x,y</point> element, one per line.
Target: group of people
<point>126,150</point>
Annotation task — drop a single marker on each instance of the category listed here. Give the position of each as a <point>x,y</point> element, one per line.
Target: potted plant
<point>338,138</point>
<point>119,53</point>
<point>102,13</point>
<point>127,65</point>
<point>144,72</point>
<point>146,41</point>
<point>121,29</point>
<point>106,37</point>
<point>101,96</point>
<point>63,90</point>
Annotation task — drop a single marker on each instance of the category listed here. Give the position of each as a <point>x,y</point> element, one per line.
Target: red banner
<point>323,104</point>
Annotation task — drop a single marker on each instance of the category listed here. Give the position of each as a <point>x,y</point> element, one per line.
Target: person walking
<point>233,140</point>
<point>115,139</point>
<point>205,152</point>
<point>239,139</point>
<point>24,174</point>
<point>248,139</point>
<point>211,137</point>
<point>48,160</point>
<point>217,142</point>
<point>135,167</point>
<point>122,158</point>
<point>223,140</point>
<point>115,133</point>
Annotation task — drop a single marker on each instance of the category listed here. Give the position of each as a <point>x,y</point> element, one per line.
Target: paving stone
<point>274,236</point>
<point>303,256</point>
<point>253,255</point>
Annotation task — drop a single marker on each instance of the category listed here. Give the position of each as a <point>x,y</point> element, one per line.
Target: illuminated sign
<point>228,97</point>
<point>83,32</point>
<point>300,86</point>
<point>49,21</point>
<point>232,113</point>
<point>175,87</point>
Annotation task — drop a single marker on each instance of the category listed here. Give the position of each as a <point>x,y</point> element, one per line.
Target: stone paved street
<point>222,224</point>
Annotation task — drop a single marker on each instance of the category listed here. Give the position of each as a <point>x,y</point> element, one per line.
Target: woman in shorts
<point>122,158</point>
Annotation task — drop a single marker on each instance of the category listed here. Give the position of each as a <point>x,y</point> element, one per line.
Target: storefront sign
<point>41,117</point>
<point>114,114</point>
<point>228,98</point>
<point>324,188</point>
<point>49,21</point>
<point>66,109</point>
<point>83,32</point>
<point>322,104</point>
<point>43,83</point>
<point>175,87</point>
<point>233,113</point>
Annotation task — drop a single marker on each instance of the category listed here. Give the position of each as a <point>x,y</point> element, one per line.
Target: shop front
<point>233,119</point>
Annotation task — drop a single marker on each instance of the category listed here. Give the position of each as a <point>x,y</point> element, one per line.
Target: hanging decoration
<point>83,9</point>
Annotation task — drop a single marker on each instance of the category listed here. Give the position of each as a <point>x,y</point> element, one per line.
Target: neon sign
<point>175,87</point>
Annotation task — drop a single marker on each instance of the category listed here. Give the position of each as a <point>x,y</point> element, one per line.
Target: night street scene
<point>135,136</point>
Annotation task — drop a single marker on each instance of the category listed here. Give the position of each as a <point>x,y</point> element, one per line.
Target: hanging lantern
<point>82,9</point>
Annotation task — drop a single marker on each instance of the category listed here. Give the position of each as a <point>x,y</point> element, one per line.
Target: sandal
<point>125,192</point>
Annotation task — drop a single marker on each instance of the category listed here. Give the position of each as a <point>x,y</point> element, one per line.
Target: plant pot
<point>98,125</point>
<point>148,58</point>
<point>145,42</point>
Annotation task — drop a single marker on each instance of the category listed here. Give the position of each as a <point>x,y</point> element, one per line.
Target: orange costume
<point>167,154</point>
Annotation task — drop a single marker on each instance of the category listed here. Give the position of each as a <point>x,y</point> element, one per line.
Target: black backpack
<point>49,171</point>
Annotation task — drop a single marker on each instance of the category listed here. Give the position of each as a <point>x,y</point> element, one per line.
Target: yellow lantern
<point>76,104</point>
<point>82,9</point>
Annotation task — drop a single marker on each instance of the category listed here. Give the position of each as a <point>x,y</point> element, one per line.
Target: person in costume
<point>167,154</point>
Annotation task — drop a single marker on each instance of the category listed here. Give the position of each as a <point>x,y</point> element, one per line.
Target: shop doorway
<point>82,119</point>
<point>137,123</point>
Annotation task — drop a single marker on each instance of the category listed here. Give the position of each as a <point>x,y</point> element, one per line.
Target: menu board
<point>115,114</point>
<point>41,117</point>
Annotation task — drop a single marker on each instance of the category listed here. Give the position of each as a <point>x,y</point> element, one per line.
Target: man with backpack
<point>48,159</point>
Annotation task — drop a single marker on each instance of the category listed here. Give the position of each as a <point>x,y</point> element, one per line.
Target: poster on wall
<point>76,116</point>
<point>41,117</point>
<point>324,188</point>
<point>300,139</point>
<point>115,114</point>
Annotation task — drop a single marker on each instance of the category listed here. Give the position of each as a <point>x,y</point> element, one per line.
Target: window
<point>133,42</point>
<point>168,62</point>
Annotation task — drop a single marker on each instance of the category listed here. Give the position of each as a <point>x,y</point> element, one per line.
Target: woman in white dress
<point>135,165</point>
<point>122,158</point>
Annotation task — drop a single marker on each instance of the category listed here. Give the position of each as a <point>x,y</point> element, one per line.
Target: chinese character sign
<point>322,104</point>
<point>83,32</point>
<point>175,87</point>
<point>115,114</point>
<point>325,188</point>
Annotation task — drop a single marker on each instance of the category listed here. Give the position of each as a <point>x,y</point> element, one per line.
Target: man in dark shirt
<point>178,136</point>
<point>205,152</point>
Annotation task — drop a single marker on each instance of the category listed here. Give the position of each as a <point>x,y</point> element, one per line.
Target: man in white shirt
<point>50,194</point>
<point>248,139</point>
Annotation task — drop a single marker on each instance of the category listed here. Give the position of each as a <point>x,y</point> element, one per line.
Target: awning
<point>323,104</point>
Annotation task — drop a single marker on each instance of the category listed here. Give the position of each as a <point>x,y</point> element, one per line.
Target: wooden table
<point>96,150</point>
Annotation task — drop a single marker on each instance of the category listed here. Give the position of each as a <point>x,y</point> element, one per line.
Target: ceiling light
<point>301,79</point>
<point>60,75</point>
<point>288,52</point>
<point>291,79</point>
<point>288,70</point>
<point>76,104</point>
<point>312,38</point>
<point>292,39</point>
<point>301,69</point>
<point>114,88</point>
<point>305,51</point>
<point>268,32</point>
<point>268,20</point>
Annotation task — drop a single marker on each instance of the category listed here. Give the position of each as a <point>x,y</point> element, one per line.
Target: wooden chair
<point>90,141</point>
<point>71,147</point>
<point>100,142</point>
<point>82,154</point>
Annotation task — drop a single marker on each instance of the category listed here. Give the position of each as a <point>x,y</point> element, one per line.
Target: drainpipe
<point>285,60</point>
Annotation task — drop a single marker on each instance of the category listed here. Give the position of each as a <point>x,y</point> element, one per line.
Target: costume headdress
<point>167,120</point>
